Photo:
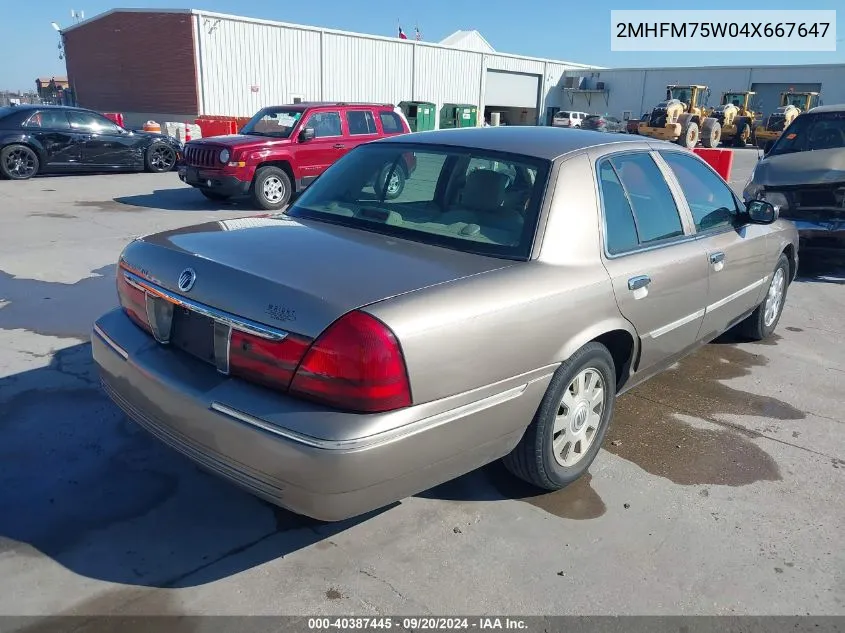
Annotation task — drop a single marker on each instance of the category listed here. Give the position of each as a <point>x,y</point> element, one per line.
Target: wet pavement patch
<point>578,501</point>
<point>65,216</point>
<point>646,431</point>
<point>794,329</point>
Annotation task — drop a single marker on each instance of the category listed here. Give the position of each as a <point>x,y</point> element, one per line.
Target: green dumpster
<point>420,115</point>
<point>458,115</point>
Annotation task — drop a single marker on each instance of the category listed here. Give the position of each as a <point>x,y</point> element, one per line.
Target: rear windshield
<point>808,132</point>
<point>463,199</point>
<point>274,122</point>
<point>562,115</point>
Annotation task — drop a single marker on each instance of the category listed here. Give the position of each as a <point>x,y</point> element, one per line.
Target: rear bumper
<point>224,425</point>
<point>214,180</point>
<point>821,236</point>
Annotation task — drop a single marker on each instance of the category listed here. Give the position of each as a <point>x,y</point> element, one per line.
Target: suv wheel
<point>271,188</point>
<point>395,186</point>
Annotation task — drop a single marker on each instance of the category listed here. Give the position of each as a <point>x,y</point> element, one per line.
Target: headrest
<point>484,190</point>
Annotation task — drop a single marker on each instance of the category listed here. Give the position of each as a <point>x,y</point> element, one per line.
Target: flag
<point>419,35</point>
<point>402,35</point>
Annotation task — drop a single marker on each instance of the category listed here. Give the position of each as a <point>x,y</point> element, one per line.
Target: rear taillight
<point>266,362</point>
<point>356,365</point>
<point>133,301</point>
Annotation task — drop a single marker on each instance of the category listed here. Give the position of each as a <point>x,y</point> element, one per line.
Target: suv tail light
<point>356,364</point>
<point>133,301</point>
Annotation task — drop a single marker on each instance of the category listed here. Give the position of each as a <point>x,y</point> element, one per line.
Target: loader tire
<point>689,135</point>
<point>711,134</point>
<point>743,133</point>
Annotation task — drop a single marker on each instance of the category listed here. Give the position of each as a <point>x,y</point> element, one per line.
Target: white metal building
<point>242,64</point>
<point>633,91</point>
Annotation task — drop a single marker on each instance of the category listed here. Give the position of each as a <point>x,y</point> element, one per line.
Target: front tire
<point>763,321</point>
<point>159,158</point>
<point>271,188</point>
<point>569,427</point>
<point>711,135</point>
<point>19,162</point>
<point>743,134</point>
<point>689,135</point>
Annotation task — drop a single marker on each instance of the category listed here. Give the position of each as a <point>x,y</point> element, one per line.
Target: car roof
<point>840,107</point>
<point>44,106</point>
<point>304,105</point>
<point>545,142</point>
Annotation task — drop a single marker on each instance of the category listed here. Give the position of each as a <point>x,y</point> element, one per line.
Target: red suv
<point>282,149</point>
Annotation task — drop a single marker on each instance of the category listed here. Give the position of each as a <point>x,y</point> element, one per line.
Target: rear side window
<point>462,199</point>
<point>361,122</point>
<point>391,122</point>
<point>49,120</point>
<point>646,195</point>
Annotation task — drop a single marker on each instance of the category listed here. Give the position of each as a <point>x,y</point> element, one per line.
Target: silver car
<point>356,349</point>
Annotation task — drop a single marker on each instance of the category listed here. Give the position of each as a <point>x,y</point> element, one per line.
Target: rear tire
<point>743,134</point>
<point>711,135</point>
<point>763,321</point>
<point>19,162</point>
<point>541,457</point>
<point>689,135</point>
<point>396,185</point>
<point>271,188</point>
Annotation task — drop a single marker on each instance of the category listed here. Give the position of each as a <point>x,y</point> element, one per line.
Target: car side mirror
<point>307,134</point>
<point>761,212</point>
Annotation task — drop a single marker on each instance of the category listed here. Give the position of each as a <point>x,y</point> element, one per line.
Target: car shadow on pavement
<point>821,268</point>
<point>84,485</point>
<point>181,199</point>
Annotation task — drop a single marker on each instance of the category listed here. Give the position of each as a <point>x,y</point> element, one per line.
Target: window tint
<point>49,119</point>
<point>324,124</point>
<point>391,122</point>
<point>361,122</point>
<point>710,200</point>
<point>90,122</point>
<point>620,227</point>
<point>655,211</point>
<point>457,198</point>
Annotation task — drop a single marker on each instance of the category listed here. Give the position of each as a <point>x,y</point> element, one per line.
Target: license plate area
<point>193,333</point>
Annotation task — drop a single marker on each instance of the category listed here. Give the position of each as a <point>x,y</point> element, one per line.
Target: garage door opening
<point>512,98</point>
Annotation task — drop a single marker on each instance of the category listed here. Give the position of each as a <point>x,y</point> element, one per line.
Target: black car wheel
<point>160,158</point>
<point>18,162</point>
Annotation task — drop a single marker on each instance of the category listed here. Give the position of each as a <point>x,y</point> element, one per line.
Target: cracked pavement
<point>719,489</point>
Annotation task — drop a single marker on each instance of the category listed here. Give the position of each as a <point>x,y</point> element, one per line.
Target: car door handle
<point>339,146</point>
<point>641,281</point>
<point>717,258</point>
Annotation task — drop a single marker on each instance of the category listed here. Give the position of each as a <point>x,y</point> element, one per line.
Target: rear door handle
<point>641,281</point>
<point>339,146</point>
<point>716,258</point>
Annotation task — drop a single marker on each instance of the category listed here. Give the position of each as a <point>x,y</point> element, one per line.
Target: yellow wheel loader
<point>791,105</point>
<point>736,117</point>
<point>682,120</point>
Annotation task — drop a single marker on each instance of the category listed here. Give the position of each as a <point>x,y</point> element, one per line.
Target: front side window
<point>324,124</point>
<point>462,199</point>
<point>712,204</point>
<point>273,122</point>
<point>90,122</point>
<point>809,132</point>
<point>361,122</point>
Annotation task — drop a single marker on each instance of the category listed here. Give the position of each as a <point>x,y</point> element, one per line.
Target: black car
<point>603,123</point>
<point>40,139</point>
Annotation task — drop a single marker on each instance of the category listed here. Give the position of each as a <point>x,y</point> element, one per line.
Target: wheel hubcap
<point>20,162</point>
<point>578,417</point>
<point>162,159</point>
<point>774,298</point>
<point>393,185</point>
<point>274,190</point>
